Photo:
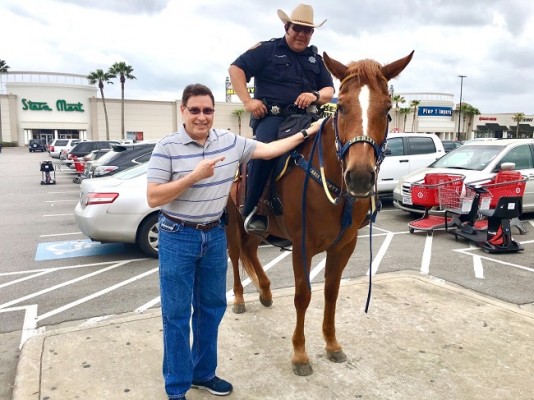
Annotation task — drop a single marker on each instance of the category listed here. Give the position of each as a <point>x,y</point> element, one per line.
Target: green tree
<point>518,117</point>
<point>3,66</point>
<point>3,69</point>
<point>124,71</point>
<point>397,99</point>
<point>469,113</point>
<point>99,76</point>
<point>405,111</point>
<point>238,112</point>
<point>414,104</point>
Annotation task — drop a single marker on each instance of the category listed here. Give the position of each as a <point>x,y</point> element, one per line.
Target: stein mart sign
<point>61,105</point>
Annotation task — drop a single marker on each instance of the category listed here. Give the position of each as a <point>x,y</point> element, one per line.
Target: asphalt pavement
<point>422,338</point>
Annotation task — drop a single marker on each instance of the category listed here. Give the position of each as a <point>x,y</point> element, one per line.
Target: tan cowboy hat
<point>301,15</point>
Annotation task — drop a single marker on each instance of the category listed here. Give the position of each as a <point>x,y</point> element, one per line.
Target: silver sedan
<point>115,209</point>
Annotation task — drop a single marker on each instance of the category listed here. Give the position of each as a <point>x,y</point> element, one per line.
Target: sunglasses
<point>305,29</point>
<point>196,110</point>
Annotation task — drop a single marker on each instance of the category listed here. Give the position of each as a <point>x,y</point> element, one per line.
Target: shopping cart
<point>79,166</point>
<point>427,193</point>
<point>493,209</point>
<point>48,173</point>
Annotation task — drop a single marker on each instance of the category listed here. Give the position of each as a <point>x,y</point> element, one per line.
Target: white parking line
<point>95,295</point>
<point>3,285</point>
<point>381,253</point>
<point>58,215</point>
<point>246,282</point>
<point>61,234</point>
<point>29,326</point>
<point>427,254</point>
<point>62,285</point>
<point>495,260</point>
<point>146,306</point>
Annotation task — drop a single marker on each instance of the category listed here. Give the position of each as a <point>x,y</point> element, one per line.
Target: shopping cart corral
<point>429,193</point>
<point>485,213</point>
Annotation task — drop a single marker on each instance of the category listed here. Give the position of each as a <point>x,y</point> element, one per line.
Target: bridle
<point>341,149</point>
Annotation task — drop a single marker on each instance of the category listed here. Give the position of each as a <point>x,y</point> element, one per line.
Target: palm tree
<point>397,99</point>
<point>518,117</point>
<point>125,72</point>
<point>414,104</point>
<point>238,112</point>
<point>3,69</point>
<point>405,111</point>
<point>100,76</point>
<point>469,113</point>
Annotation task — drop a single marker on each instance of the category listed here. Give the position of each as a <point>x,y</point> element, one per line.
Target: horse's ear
<point>393,69</point>
<point>335,67</point>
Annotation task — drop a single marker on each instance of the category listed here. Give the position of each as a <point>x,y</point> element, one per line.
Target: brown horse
<point>346,153</point>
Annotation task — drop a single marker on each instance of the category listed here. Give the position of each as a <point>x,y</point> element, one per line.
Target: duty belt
<point>283,110</point>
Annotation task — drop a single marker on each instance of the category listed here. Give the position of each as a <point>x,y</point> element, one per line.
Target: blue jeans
<point>192,269</point>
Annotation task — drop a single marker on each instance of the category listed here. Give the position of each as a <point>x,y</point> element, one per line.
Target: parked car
<point>405,153</point>
<point>37,145</point>
<point>450,145</point>
<point>120,157</point>
<point>57,145</point>
<point>478,161</point>
<point>85,147</point>
<point>115,209</point>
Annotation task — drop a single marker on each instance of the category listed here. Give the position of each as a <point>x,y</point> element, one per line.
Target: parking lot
<point>51,275</point>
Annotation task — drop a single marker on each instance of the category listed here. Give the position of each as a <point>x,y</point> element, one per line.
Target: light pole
<point>460,107</point>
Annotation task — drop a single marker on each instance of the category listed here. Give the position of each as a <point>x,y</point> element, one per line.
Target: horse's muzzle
<point>359,182</point>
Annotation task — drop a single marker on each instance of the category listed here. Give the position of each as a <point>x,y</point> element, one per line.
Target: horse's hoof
<point>302,369</point>
<point>239,308</point>
<point>266,303</point>
<point>336,356</point>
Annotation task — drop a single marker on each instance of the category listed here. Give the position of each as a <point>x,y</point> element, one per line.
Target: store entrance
<point>49,135</point>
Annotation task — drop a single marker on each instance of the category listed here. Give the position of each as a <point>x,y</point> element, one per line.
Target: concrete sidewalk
<point>422,339</point>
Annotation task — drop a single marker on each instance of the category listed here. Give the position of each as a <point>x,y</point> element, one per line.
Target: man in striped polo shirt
<point>190,175</point>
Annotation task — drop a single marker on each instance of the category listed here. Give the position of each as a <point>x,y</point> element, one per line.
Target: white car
<point>478,161</point>
<point>115,209</point>
<point>58,145</point>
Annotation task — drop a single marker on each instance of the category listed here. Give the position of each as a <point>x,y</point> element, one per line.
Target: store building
<point>46,105</point>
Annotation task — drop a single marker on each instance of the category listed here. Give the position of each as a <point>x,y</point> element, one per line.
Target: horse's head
<point>361,119</point>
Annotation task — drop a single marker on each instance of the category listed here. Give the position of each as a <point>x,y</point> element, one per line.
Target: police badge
<point>312,59</point>
<point>275,110</point>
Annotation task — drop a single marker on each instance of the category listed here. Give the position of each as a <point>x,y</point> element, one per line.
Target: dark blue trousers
<point>259,170</point>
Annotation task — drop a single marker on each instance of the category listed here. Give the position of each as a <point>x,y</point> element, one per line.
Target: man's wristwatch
<point>304,133</point>
<point>316,94</point>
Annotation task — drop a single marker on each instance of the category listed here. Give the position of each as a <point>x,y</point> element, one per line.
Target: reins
<point>341,150</point>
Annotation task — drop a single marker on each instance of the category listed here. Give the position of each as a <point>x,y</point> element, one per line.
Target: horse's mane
<point>368,70</point>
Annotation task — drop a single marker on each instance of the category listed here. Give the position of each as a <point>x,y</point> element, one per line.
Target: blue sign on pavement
<point>76,248</point>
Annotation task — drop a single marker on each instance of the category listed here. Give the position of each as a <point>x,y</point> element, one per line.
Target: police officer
<point>289,77</point>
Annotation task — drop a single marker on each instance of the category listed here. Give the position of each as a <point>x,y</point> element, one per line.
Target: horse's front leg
<point>300,360</point>
<point>336,261</point>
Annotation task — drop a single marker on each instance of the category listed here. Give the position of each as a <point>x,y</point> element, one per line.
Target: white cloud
<point>171,43</point>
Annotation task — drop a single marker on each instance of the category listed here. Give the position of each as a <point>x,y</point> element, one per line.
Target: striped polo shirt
<point>176,155</point>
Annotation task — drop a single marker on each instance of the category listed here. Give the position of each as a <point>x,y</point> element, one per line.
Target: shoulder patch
<point>255,46</point>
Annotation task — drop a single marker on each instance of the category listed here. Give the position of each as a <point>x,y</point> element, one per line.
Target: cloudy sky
<point>171,43</point>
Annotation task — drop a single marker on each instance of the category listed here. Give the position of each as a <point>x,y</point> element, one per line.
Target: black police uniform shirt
<point>280,74</point>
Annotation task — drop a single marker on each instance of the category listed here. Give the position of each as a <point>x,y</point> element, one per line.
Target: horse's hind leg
<point>252,264</point>
<point>335,264</point>
<point>233,238</point>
